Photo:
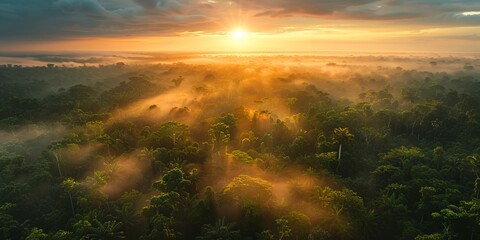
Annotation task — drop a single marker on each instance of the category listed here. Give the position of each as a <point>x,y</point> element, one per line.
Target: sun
<point>238,34</point>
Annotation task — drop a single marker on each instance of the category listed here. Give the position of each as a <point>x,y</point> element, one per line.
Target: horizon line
<point>19,52</point>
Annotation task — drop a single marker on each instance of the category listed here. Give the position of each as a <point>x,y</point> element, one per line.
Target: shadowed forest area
<point>254,147</point>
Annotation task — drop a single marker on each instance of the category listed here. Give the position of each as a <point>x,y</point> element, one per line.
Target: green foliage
<point>265,235</point>
<point>231,121</point>
<point>9,227</point>
<point>242,156</point>
<point>342,135</point>
<point>219,231</point>
<point>284,231</point>
<point>173,181</point>
<point>122,136</point>
<point>403,156</point>
<point>127,92</point>
<point>327,160</point>
<point>299,224</point>
<point>345,200</point>
<point>37,234</point>
<point>62,235</point>
<point>435,236</point>
<point>245,188</point>
<point>219,134</point>
<point>105,230</point>
<point>169,135</point>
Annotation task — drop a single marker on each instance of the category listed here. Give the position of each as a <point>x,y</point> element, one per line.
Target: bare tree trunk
<point>339,151</point>
<point>71,203</point>
<point>339,155</point>
<point>55,154</point>
<point>57,157</point>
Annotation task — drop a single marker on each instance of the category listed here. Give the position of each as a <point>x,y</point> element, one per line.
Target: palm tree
<point>128,217</point>
<point>283,229</point>
<point>106,231</point>
<point>220,231</point>
<point>341,136</point>
<point>337,223</point>
<point>219,134</point>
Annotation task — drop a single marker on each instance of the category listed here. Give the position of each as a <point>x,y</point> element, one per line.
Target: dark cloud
<point>148,4</point>
<point>360,9</point>
<point>88,7</point>
<point>279,8</point>
<point>163,5</point>
<point>25,20</point>
<point>471,37</point>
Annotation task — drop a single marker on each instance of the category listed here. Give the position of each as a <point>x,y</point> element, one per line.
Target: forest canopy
<point>242,147</point>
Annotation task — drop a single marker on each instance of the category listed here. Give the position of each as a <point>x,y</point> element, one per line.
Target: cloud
<point>472,37</point>
<point>283,8</point>
<point>163,5</point>
<point>31,21</point>
<point>70,19</point>
<point>88,7</point>
<point>471,13</point>
<point>148,4</point>
<point>359,9</point>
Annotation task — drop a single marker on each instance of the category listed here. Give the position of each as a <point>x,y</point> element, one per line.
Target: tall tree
<point>341,136</point>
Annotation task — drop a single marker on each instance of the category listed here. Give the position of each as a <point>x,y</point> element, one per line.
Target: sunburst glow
<point>238,34</point>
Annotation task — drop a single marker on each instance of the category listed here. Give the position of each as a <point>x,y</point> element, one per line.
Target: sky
<point>240,25</point>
